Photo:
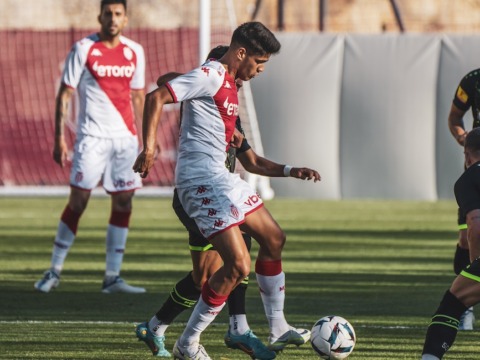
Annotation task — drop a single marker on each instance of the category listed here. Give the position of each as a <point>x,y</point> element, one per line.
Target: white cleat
<point>467,320</point>
<point>49,281</point>
<point>291,337</point>
<point>119,285</point>
<point>183,353</point>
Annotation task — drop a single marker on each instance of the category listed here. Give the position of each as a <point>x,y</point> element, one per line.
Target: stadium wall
<point>368,111</point>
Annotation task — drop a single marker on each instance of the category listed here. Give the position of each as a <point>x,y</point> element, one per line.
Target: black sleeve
<point>465,92</point>
<point>245,145</point>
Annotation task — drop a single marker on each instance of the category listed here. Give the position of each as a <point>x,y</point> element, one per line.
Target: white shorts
<point>107,160</point>
<point>218,205</point>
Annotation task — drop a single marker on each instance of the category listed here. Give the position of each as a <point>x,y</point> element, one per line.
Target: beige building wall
<point>366,16</point>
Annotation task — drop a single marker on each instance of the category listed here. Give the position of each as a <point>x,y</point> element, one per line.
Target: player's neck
<point>108,40</point>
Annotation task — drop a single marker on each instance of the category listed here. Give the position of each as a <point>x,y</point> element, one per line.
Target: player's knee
<point>240,270</point>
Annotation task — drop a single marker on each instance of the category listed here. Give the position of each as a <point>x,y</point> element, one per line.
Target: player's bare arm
<point>152,112</point>
<point>456,125</point>
<point>473,233</point>
<point>60,149</point>
<point>261,166</point>
<point>163,79</point>
<point>138,102</point>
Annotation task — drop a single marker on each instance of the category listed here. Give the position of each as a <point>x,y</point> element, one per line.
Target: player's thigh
<point>266,231</point>
<point>89,161</point>
<point>119,175</point>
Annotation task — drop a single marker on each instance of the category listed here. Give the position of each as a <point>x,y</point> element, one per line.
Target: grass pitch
<point>383,265</point>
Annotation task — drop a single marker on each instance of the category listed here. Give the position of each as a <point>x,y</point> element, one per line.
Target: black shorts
<point>472,271</point>
<point>461,220</point>
<point>196,240</point>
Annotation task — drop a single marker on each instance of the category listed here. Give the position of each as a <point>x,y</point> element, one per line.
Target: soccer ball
<point>333,337</point>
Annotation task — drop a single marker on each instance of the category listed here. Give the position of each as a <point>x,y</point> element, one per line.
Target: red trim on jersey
<point>170,90</point>
<point>121,191</point>
<point>71,219</point>
<point>68,86</point>
<point>211,298</point>
<point>120,219</point>
<point>268,268</point>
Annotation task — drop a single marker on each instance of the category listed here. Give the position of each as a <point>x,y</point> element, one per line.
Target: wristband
<point>286,170</point>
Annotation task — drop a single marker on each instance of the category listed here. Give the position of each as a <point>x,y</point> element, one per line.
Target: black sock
<point>443,328</point>
<point>236,299</point>
<point>461,259</point>
<point>183,296</point>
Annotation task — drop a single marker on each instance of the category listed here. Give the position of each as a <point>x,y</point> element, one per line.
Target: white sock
<point>202,315</point>
<point>116,241</point>
<point>157,327</point>
<point>272,290</point>
<point>63,242</point>
<point>238,324</point>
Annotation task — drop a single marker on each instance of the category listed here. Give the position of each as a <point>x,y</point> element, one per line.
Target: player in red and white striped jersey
<point>108,72</point>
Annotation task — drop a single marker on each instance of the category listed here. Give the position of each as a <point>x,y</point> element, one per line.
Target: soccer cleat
<point>49,281</point>
<point>155,343</point>
<point>119,285</point>
<point>467,320</point>
<point>250,345</point>
<point>291,337</point>
<point>181,353</point>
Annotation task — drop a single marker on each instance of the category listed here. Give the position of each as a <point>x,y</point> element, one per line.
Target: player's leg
<point>120,182</point>
<point>271,278</point>
<point>464,292</point>
<point>460,261</point>
<point>86,172</point>
<point>231,247</point>
<point>239,335</point>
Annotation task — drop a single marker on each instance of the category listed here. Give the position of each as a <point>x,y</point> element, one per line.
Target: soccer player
<point>465,290</point>
<point>109,72</point>
<point>219,201</point>
<point>206,261</point>
<point>465,98</point>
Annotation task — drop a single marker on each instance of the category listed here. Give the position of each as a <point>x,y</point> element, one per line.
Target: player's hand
<point>237,139</point>
<point>60,151</point>
<point>305,174</point>
<point>144,163</point>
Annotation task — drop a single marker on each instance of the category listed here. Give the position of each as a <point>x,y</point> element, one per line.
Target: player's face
<point>113,19</point>
<point>251,66</point>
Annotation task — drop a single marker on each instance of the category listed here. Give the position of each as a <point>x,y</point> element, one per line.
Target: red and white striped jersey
<point>103,78</point>
<point>210,109</point>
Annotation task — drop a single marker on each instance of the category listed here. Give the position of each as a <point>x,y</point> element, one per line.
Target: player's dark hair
<point>256,38</point>
<point>472,141</point>
<point>109,2</point>
<point>217,52</point>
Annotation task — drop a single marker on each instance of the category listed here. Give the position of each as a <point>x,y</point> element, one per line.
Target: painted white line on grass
<point>86,322</point>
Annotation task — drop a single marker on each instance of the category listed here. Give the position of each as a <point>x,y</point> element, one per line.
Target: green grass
<point>383,265</point>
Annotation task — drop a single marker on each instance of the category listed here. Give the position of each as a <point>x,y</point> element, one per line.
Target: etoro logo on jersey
<point>114,70</point>
<point>232,109</point>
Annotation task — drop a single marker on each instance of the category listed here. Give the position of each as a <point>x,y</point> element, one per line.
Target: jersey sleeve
<point>74,66</point>
<point>200,82</point>
<point>464,93</point>
<point>138,80</point>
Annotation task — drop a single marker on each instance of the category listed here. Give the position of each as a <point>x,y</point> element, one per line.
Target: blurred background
<point>360,91</point>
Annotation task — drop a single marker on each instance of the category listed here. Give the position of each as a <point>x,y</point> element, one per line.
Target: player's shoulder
<point>135,46</point>
<point>215,66</point>
<point>472,75</point>
<point>86,42</point>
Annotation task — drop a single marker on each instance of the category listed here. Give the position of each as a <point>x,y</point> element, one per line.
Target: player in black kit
<point>465,289</point>
<point>467,95</point>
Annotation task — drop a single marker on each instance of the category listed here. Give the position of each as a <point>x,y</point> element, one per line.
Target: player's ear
<point>241,53</point>
<point>99,18</point>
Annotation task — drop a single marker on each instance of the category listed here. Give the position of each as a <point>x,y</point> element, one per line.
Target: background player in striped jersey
<point>465,289</point>
<point>466,97</point>
<point>108,72</point>
<point>220,201</point>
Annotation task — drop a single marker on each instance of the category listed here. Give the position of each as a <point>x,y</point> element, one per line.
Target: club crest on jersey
<point>128,53</point>
<point>114,70</point>
<point>232,109</point>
